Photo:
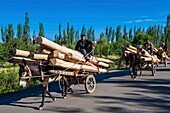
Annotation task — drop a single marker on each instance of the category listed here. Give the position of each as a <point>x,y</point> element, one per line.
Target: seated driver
<point>84,46</point>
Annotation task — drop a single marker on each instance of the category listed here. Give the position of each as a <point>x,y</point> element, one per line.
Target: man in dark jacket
<point>164,47</point>
<point>148,46</point>
<point>84,46</point>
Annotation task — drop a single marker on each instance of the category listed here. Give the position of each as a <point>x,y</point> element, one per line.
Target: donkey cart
<point>48,73</point>
<point>75,77</point>
<point>139,64</point>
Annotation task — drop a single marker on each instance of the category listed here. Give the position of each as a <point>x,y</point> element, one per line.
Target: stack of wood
<point>161,53</point>
<point>141,53</point>
<point>56,55</point>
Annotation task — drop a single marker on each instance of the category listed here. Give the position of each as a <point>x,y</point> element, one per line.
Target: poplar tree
<point>41,30</point>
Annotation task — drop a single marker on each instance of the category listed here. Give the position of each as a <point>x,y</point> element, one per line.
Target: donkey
<point>27,72</point>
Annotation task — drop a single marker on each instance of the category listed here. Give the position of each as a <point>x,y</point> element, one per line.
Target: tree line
<point>110,41</point>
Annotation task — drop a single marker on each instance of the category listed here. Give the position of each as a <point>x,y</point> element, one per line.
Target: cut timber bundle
<point>55,46</point>
<point>22,53</point>
<point>71,55</point>
<point>69,65</point>
<point>19,60</point>
<point>60,57</point>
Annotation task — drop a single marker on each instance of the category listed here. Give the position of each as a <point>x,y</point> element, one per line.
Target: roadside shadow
<point>163,69</point>
<point>117,73</point>
<point>36,91</point>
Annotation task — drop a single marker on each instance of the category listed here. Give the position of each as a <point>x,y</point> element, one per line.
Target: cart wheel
<point>153,70</point>
<point>90,83</point>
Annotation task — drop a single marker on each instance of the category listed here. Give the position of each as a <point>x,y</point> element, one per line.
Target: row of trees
<point>109,42</point>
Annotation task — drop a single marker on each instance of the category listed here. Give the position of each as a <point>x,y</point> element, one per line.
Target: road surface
<point>116,92</point>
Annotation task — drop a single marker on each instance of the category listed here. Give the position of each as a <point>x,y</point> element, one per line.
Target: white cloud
<point>127,22</point>
<point>144,16</point>
<point>145,20</point>
<point>149,20</point>
<point>137,21</point>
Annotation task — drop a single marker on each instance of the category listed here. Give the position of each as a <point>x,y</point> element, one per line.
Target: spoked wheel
<point>153,70</point>
<point>90,83</point>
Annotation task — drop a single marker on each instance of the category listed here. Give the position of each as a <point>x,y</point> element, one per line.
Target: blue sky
<point>95,13</point>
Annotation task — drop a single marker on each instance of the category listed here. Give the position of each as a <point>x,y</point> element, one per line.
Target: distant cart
<point>138,64</point>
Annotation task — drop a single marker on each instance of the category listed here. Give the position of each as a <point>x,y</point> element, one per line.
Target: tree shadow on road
<point>142,95</point>
<point>36,91</point>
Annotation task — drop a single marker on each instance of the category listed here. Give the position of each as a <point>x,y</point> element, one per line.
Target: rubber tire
<point>90,84</point>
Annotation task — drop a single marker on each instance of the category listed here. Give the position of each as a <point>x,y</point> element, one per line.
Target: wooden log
<point>55,46</point>
<point>102,64</point>
<point>46,51</point>
<point>39,56</point>
<point>22,53</point>
<point>146,58</point>
<point>42,49</point>
<point>157,60</point>
<point>131,50</point>
<point>97,63</point>
<point>20,60</point>
<point>155,50</point>
<point>103,60</point>
<point>131,47</point>
<point>164,55</point>
<point>152,59</point>
<point>69,65</point>
<point>74,57</point>
<point>56,54</point>
<point>127,52</point>
<point>145,53</point>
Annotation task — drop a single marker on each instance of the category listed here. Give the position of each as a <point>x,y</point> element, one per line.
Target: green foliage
<point>26,30</point>
<point>9,80</point>
<point>83,31</point>
<point>41,27</point>
<point>140,38</point>
<point>118,33</point>
<point>109,43</point>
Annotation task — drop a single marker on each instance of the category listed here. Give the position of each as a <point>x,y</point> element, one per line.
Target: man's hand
<point>93,47</point>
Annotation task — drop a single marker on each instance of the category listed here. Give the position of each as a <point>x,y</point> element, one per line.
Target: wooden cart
<point>162,60</point>
<point>137,65</point>
<point>72,77</point>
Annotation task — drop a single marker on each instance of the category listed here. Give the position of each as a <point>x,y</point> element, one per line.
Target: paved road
<point>116,92</point>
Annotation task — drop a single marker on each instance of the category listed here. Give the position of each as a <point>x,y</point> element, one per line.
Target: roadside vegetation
<point>108,45</point>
